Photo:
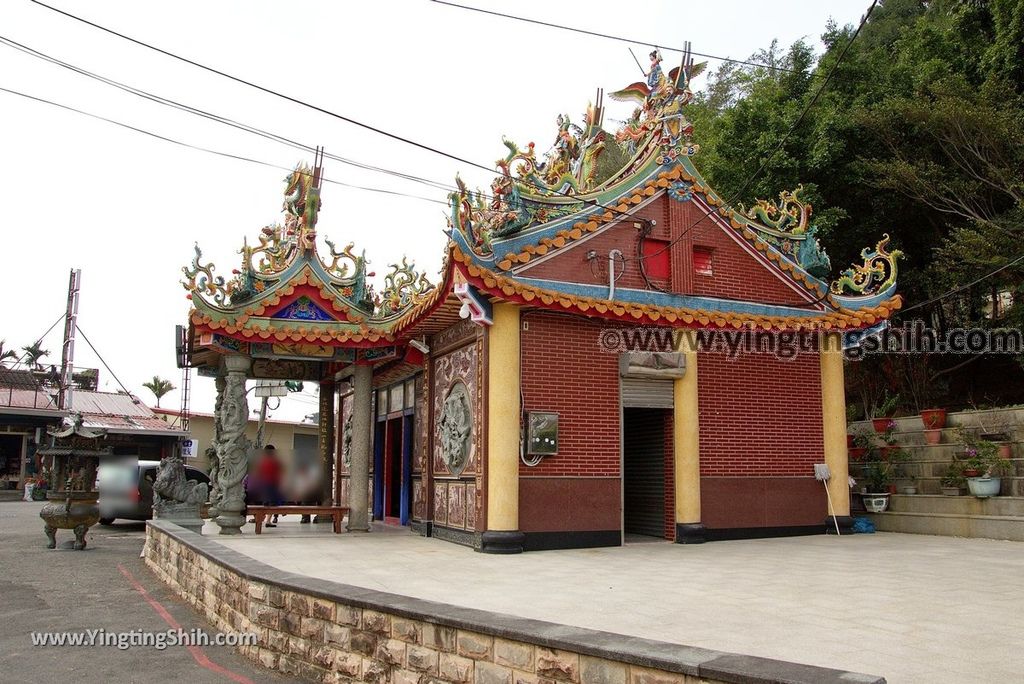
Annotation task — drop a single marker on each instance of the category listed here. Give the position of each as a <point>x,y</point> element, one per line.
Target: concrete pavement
<point>65,590</point>
<point>913,608</point>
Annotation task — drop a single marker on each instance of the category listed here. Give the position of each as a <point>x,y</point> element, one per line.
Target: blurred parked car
<point>126,488</point>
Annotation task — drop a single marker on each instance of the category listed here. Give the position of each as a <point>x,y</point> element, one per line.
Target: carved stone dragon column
<point>213,450</point>
<point>233,446</point>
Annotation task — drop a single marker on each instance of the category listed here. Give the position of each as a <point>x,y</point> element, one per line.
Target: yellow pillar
<point>686,450</point>
<point>503,416</point>
<point>833,416</point>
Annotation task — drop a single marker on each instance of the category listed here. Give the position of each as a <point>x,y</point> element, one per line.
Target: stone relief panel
<point>471,505</point>
<point>419,499</point>
<point>456,398</point>
<point>345,435</point>
<point>457,505</point>
<point>456,428</point>
<point>419,447</point>
<point>343,499</point>
<point>441,503</point>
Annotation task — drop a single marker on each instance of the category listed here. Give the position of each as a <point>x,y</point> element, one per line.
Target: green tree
<point>33,353</point>
<point>6,354</point>
<point>159,387</point>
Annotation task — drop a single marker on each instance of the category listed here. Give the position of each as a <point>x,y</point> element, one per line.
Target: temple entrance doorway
<point>646,451</point>
<point>393,469</point>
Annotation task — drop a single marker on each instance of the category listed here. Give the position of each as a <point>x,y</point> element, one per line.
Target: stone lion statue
<point>172,487</point>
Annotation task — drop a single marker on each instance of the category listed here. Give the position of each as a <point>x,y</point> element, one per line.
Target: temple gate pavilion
<point>609,350</point>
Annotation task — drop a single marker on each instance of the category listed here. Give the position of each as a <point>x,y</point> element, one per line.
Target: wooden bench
<point>259,513</point>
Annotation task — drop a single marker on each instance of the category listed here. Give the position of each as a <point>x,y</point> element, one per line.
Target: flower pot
<point>951,491</point>
<point>933,436</point>
<point>857,453</point>
<point>1005,450</point>
<point>909,490</point>
<point>880,424</point>
<point>984,487</point>
<point>892,489</point>
<point>875,503</point>
<point>849,441</point>
<point>971,472</point>
<point>933,419</point>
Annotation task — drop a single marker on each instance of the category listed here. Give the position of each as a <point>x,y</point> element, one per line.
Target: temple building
<point>609,350</point>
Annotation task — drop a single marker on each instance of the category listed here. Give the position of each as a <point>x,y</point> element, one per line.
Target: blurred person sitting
<point>269,473</point>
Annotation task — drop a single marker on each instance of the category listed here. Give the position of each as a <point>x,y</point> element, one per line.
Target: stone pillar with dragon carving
<point>213,450</point>
<point>233,446</point>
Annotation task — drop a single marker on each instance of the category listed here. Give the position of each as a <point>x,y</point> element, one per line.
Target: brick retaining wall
<point>323,631</point>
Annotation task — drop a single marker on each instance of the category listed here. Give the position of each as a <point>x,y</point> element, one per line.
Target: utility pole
<point>67,357</point>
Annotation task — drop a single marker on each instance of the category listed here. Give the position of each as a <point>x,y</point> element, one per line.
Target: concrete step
<point>1010,528</point>
<point>1012,506</point>
<point>1008,420</point>
<point>928,482</point>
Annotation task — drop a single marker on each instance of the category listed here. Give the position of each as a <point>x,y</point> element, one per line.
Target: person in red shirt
<point>269,475</point>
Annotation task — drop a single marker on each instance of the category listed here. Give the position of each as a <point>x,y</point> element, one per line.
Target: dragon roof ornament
<point>875,276</point>
<point>786,225</point>
<point>288,252</point>
<point>584,161</point>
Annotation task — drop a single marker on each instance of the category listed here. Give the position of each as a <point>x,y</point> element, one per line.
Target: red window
<point>656,259</point>
<point>702,261</point>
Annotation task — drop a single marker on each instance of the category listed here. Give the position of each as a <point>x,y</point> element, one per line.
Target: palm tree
<point>6,354</point>
<point>33,353</point>
<point>159,387</point>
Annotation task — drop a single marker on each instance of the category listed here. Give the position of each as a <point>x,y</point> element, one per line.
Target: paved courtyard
<point>912,608</point>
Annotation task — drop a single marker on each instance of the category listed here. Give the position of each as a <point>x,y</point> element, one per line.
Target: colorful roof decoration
<point>285,293</point>
<point>591,179</point>
<point>285,290</point>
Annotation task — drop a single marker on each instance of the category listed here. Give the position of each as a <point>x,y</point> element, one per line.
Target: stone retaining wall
<point>323,631</point>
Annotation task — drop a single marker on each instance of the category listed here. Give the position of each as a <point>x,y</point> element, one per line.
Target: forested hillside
<point>918,133</point>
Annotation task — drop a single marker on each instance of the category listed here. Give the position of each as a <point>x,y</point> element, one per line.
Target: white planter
<point>984,487</point>
<point>875,503</point>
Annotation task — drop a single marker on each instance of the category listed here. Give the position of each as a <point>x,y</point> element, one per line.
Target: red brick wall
<point>759,415</point>
<point>564,370</point>
<point>737,274</point>
<point>571,263</point>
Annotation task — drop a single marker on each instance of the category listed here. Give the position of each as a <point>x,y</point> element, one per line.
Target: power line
<point>105,365</point>
<point>968,286</point>
<point>607,35</point>
<point>778,148</point>
<point>39,339</point>
<point>316,108</point>
<point>454,157</point>
<point>208,150</point>
<point>32,52</point>
<point>269,91</point>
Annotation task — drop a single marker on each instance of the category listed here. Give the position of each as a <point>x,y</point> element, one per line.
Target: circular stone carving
<point>456,427</point>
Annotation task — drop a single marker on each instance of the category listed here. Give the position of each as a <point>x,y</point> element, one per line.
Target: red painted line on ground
<point>197,652</point>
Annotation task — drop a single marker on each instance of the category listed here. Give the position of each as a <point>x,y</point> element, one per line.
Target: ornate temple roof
<point>592,178</point>
<point>286,291</point>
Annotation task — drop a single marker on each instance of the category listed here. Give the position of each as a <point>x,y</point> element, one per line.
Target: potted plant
<point>878,475</point>
<point>983,466</point>
<point>933,418</point>
<point>882,412</point>
<point>953,482</point>
<point>904,471</point>
<point>860,443</point>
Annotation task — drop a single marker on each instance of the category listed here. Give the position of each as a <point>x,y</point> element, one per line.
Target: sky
<point>126,208</point>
